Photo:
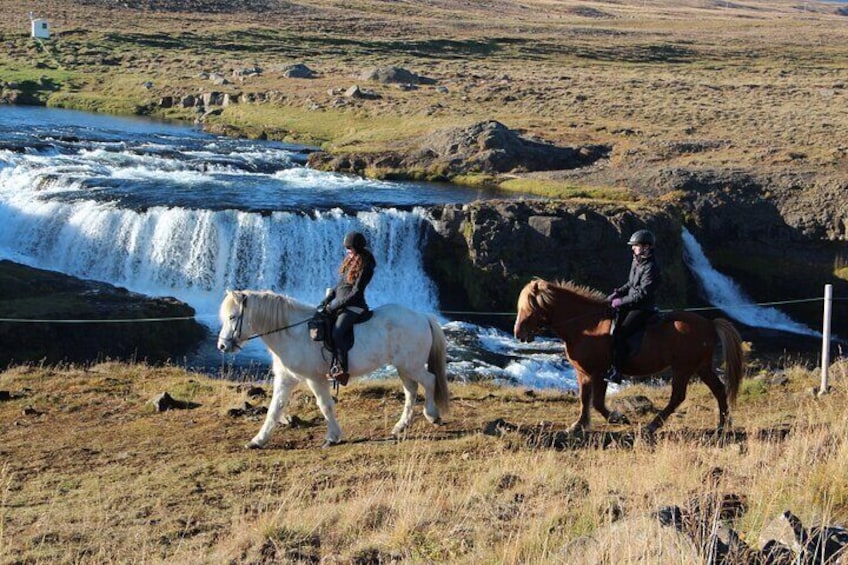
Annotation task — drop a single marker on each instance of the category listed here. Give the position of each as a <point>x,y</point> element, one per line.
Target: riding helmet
<point>642,237</point>
<point>355,240</point>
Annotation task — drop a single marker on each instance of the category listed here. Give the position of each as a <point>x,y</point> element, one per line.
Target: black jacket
<point>352,294</point>
<point>641,289</point>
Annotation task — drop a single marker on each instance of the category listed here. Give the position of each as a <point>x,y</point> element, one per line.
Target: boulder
<point>45,295</point>
<point>298,70</point>
<point>396,75</point>
<point>487,147</point>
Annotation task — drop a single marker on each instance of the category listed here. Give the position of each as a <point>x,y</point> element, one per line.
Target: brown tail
<point>437,364</point>
<point>734,359</point>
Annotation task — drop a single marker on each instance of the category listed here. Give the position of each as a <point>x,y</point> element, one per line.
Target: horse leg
<point>428,382</point>
<point>715,385</point>
<point>599,398</point>
<point>584,422</point>
<point>284,382</point>
<point>320,387</point>
<point>410,394</point>
<point>678,395</point>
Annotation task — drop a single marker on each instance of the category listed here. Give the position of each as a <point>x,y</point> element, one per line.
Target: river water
<point>168,210</point>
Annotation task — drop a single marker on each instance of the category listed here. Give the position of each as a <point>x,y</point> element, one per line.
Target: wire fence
<point>444,312</point>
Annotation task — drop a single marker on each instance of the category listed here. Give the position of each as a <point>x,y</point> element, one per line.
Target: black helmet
<point>355,240</point>
<point>642,237</point>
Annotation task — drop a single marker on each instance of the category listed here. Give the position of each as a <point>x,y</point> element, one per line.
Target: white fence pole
<point>825,362</point>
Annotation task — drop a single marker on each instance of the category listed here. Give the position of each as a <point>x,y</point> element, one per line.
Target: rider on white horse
<point>347,300</point>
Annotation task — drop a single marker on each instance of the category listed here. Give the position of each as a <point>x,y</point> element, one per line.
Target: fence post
<point>825,361</point>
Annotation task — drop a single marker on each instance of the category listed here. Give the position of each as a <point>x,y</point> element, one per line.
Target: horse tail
<point>731,344</point>
<point>437,364</point>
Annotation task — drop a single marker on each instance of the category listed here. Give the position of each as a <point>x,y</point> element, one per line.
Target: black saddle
<point>321,327</point>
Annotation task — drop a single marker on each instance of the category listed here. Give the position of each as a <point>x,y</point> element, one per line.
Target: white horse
<point>410,341</point>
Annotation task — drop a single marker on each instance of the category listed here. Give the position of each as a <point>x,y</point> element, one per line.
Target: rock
<point>64,297</point>
<point>246,409</point>
<point>256,392</point>
<point>394,75</point>
<point>255,70</point>
<point>165,402</point>
<point>356,92</point>
<point>298,70</point>
<point>491,147</point>
<point>636,405</point>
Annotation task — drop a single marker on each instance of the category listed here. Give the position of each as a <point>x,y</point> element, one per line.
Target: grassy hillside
<point>90,473</point>
<point>750,83</point>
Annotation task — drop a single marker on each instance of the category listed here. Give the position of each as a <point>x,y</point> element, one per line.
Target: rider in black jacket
<point>347,300</point>
<point>635,301</point>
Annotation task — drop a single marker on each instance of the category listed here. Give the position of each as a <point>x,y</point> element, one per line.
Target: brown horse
<point>683,341</point>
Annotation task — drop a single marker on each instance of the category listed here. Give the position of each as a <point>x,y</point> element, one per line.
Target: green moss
<point>560,189</point>
<point>476,180</point>
<point>90,102</point>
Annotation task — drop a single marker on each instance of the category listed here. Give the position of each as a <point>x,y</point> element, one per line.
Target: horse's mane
<point>269,309</point>
<point>546,291</point>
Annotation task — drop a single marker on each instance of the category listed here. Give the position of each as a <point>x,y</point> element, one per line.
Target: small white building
<point>40,28</point>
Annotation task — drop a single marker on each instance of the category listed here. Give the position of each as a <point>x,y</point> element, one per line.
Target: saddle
<point>321,329</point>
<point>634,341</point>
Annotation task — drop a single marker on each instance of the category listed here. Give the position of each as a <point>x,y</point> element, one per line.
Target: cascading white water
<point>196,254</point>
<point>724,293</point>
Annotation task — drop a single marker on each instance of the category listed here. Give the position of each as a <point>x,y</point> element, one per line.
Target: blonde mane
<point>267,309</point>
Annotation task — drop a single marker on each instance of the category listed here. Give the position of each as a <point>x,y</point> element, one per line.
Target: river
<point>168,210</point>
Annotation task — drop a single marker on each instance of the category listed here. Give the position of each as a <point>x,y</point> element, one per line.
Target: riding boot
<point>338,372</point>
<point>614,375</point>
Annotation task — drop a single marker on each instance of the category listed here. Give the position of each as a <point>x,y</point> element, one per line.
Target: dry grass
<point>98,477</point>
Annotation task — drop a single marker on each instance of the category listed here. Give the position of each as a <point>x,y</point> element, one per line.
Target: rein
<point>300,323</point>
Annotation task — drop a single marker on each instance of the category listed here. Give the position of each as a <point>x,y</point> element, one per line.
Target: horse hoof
<point>253,445</point>
<point>329,443</point>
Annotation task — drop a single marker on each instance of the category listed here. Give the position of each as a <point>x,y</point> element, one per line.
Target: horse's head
<point>531,315</point>
<point>232,334</point>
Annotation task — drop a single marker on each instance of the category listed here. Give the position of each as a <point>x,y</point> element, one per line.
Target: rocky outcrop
<point>30,293</point>
<point>481,254</point>
<point>486,148</point>
<point>782,236</point>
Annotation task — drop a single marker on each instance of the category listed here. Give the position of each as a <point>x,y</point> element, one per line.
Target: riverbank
<point>736,91</point>
<point>92,473</point>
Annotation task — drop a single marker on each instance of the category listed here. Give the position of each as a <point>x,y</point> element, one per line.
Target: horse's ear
<point>534,285</point>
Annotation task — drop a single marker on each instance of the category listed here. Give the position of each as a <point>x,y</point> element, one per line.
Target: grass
<point>98,477</point>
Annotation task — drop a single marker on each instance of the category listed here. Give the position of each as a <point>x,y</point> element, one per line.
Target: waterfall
<point>724,293</point>
<point>196,254</point>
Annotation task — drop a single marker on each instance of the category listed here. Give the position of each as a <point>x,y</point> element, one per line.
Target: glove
<point>616,303</point>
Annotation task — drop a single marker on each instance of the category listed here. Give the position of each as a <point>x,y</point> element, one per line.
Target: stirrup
<point>338,374</point>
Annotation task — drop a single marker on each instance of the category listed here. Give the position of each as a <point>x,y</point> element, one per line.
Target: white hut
<point>40,28</point>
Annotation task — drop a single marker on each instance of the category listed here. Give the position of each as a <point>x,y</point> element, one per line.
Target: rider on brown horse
<point>634,302</point>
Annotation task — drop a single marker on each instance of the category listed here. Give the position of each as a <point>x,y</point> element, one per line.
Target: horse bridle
<point>239,325</point>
